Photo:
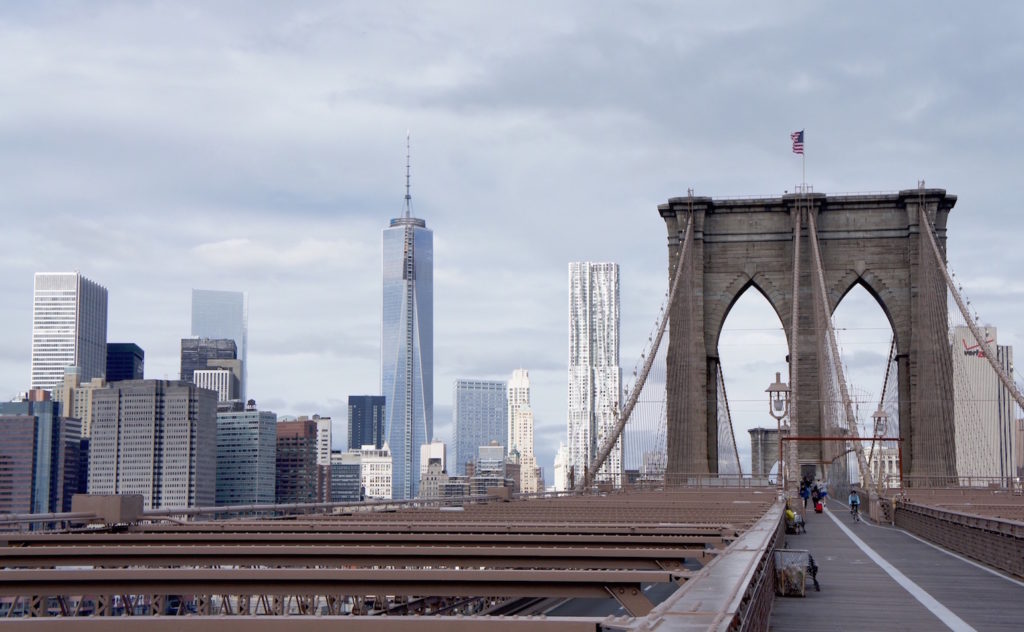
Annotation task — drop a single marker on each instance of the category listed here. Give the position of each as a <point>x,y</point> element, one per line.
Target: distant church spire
<point>408,196</point>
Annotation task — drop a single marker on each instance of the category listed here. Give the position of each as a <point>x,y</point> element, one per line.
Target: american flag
<point>798,142</point>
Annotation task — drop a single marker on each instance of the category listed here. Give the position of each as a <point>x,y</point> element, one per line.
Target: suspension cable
<point>978,336</point>
<point>728,416</point>
<point>876,431</point>
<point>627,410</point>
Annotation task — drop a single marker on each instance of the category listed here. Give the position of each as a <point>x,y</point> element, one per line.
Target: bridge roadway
<point>882,578</point>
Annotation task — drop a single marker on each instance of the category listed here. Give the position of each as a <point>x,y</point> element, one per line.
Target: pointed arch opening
<point>865,334</point>
<point>751,348</point>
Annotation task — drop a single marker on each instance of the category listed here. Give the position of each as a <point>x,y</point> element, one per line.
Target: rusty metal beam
<point>651,558</point>
<point>297,623</point>
<point>595,546</point>
<point>626,539</point>
<point>289,581</point>
<point>631,598</point>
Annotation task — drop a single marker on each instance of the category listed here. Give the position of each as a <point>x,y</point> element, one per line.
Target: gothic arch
<point>737,289</point>
<point>879,290</point>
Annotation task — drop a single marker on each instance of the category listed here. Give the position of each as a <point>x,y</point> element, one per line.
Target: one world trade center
<point>407,343</point>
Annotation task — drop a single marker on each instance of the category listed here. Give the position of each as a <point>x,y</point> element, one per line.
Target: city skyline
<point>159,150</point>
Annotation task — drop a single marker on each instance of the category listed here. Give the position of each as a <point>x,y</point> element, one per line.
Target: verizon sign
<point>976,350</point>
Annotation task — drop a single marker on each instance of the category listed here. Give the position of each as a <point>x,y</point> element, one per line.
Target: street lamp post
<point>778,407</point>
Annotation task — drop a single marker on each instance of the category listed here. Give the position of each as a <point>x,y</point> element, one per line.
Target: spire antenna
<point>408,195</point>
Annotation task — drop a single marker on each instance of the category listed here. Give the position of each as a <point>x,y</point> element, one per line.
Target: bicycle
<point>855,511</point>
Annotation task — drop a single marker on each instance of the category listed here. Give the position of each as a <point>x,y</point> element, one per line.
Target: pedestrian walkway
<point>881,578</point>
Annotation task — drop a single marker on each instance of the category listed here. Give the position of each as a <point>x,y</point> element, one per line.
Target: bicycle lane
<point>978,596</point>
<point>856,593</point>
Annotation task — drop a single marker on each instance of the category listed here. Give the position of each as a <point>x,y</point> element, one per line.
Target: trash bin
<point>790,572</point>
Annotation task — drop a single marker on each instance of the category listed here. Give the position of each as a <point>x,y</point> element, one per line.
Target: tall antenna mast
<point>408,196</point>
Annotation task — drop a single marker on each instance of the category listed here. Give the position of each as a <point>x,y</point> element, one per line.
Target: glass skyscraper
<point>366,415</point>
<point>246,456</point>
<point>595,377</point>
<point>125,361</point>
<point>407,344</point>
<point>220,314</point>
<point>481,416</point>
<point>69,328</point>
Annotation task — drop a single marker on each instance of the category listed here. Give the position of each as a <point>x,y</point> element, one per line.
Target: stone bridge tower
<point>872,240</point>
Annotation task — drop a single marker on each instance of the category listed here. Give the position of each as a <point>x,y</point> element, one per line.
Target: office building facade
<point>69,328</point>
<point>562,469</point>
<point>38,455</point>
<point>434,479</point>
<point>984,412</point>
<point>18,454</point>
<point>324,438</point>
<point>376,471</point>
<point>246,456</point>
<point>197,353</point>
<point>346,479</point>
<point>125,361</point>
<point>407,344</point>
<point>157,438</point>
<point>490,469</point>
<point>480,415</point>
<point>595,377</point>
<point>75,397</point>
<point>297,471</point>
<point>435,450</point>
<point>220,381</point>
<point>520,429</point>
<point>366,420</point>
<point>220,314</point>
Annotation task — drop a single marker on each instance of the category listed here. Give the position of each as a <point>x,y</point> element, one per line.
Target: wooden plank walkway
<point>857,594</point>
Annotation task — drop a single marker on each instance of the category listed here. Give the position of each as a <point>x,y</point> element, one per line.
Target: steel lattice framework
<point>467,561</point>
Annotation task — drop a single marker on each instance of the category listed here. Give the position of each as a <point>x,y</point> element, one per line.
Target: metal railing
<point>892,483</point>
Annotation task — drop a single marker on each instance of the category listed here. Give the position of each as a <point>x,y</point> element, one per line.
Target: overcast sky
<point>163,146</point>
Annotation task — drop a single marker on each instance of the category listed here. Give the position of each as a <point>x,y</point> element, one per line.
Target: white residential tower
<point>595,377</point>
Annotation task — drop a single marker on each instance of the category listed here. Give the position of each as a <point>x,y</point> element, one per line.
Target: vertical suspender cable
<point>858,446</point>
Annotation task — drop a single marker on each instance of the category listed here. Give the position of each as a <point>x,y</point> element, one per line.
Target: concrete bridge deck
<point>881,578</point>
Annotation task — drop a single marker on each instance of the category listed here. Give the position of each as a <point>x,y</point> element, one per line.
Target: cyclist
<point>855,504</point>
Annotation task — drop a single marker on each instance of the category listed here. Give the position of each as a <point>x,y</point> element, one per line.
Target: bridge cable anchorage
<point>624,413</point>
<point>833,349</point>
